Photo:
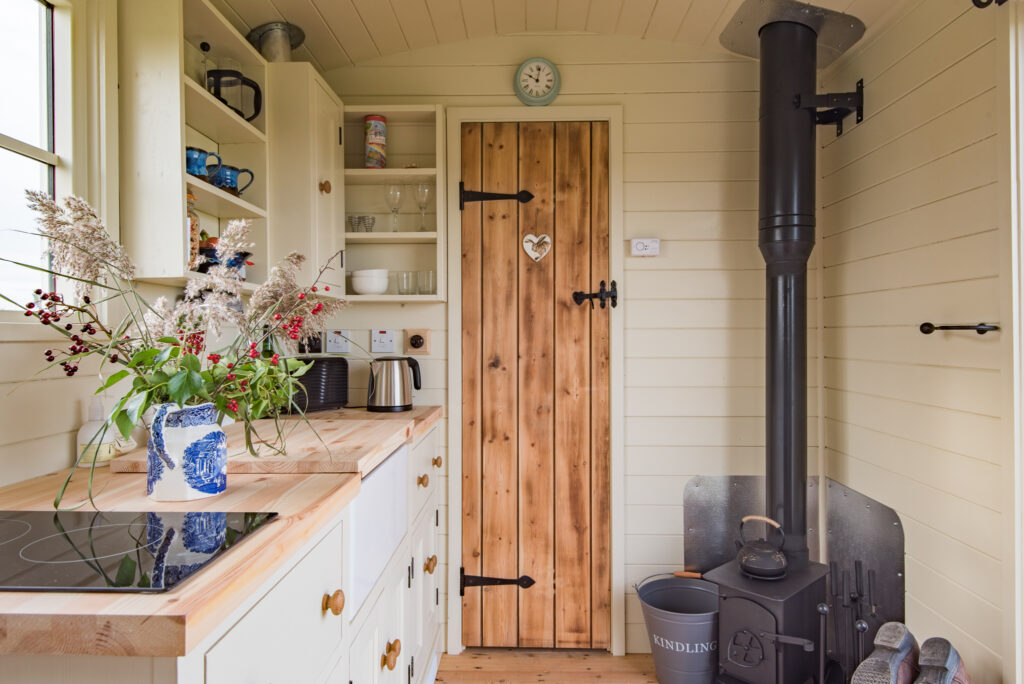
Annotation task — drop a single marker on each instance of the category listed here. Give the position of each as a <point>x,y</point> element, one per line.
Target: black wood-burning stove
<point>769,629</point>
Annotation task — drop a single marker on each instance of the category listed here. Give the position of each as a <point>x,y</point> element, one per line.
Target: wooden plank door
<point>535,436</point>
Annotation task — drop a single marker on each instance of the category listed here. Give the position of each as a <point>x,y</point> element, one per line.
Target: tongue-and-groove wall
<point>911,229</point>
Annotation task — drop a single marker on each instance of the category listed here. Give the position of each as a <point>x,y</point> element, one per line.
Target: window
<point>27,140</point>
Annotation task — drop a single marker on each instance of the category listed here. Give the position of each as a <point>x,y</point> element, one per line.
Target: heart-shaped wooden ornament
<point>536,246</point>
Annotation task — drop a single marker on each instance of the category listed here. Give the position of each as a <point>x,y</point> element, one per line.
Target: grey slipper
<point>941,664</point>
<point>894,660</point>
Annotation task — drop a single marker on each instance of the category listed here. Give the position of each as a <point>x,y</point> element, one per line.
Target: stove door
<point>744,653</point>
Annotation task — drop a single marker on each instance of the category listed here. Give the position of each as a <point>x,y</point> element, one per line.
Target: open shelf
<point>214,119</point>
<point>203,23</point>
<point>180,281</point>
<point>383,298</point>
<point>383,176</point>
<point>414,114</point>
<point>416,238</point>
<point>212,200</point>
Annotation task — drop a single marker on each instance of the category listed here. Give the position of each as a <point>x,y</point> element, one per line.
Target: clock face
<point>537,82</point>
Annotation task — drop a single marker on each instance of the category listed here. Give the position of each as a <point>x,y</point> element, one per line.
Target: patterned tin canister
<point>376,141</point>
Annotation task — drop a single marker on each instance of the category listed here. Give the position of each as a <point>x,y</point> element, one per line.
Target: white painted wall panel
<point>911,232</point>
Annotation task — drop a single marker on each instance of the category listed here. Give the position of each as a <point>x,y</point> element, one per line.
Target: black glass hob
<point>114,551</point>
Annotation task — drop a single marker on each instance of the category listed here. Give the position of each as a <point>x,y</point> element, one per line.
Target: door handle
<point>603,294</point>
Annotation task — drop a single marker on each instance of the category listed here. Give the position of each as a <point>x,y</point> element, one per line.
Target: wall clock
<point>537,82</point>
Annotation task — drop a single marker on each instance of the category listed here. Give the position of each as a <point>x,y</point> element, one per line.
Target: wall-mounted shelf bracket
<point>832,108</point>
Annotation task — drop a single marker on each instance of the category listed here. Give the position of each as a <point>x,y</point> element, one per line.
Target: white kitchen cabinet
<point>415,154</point>
<point>424,470</point>
<point>424,613</point>
<point>164,107</point>
<point>292,633</point>
<point>306,202</point>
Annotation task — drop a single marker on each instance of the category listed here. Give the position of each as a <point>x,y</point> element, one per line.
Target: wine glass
<point>422,197</point>
<point>393,198</point>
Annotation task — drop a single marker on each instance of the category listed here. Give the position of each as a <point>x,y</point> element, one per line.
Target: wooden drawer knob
<point>430,564</point>
<point>333,602</point>
<point>391,653</point>
<point>325,187</point>
<point>423,480</point>
<point>437,461</point>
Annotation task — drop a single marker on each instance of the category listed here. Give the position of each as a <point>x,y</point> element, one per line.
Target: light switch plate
<point>337,342</point>
<point>423,336</point>
<point>382,341</point>
<point>645,247</point>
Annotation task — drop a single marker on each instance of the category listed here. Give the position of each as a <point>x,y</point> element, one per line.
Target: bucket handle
<point>650,577</point>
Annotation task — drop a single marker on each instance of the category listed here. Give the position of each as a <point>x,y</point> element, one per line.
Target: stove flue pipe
<point>786,239</point>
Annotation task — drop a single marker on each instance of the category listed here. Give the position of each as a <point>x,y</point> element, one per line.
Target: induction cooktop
<point>114,551</point>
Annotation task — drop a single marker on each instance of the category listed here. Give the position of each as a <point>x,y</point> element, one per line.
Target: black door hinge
<point>341,136</point>
<point>437,517</point>
<point>437,596</point>
<point>982,4</point>
<point>524,582</point>
<point>523,196</point>
<point>411,561</point>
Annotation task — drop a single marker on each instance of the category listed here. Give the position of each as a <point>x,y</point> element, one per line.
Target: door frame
<point>456,116</point>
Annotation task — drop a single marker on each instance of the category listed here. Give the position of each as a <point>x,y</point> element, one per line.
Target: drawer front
<point>287,636</point>
<point>377,524</point>
<point>424,471</point>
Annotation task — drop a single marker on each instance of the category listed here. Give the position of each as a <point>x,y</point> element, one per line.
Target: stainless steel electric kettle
<point>392,379</point>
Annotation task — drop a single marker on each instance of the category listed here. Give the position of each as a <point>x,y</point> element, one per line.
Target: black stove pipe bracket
<point>832,108</point>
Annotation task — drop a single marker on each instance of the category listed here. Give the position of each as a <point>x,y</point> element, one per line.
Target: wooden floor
<point>512,666</point>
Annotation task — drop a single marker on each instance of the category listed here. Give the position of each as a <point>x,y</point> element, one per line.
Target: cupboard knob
<point>437,461</point>
<point>391,652</point>
<point>423,480</point>
<point>333,602</point>
<point>430,564</point>
<point>325,187</point>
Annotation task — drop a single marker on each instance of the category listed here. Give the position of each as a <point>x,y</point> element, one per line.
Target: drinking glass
<point>426,282</point>
<point>407,282</point>
<point>393,198</point>
<point>355,223</point>
<point>422,197</point>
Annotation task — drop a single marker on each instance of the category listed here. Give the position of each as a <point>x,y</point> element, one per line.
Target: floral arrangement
<point>157,354</point>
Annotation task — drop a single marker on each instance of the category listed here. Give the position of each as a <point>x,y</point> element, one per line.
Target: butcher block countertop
<point>344,441</point>
<point>170,624</point>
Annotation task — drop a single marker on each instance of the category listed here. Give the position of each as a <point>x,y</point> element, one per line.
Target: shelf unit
<point>164,107</point>
<point>415,139</point>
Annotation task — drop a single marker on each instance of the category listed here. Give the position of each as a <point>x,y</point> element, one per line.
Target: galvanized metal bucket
<point>682,623</point>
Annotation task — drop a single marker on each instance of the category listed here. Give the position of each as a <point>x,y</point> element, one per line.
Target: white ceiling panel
<point>510,16</point>
<point>541,15</point>
<point>634,17</point>
<point>666,19</point>
<point>414,18</point>
<point>342,32</point>
<point>382,24</point>
<point>572,15</point>
<point>479,18</point>
<point>604,16</point>
<point>448,22</point>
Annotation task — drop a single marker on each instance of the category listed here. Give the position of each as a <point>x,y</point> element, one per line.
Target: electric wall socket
<point>382,341</point>
<point>417,341</point>
<point>337,342</point>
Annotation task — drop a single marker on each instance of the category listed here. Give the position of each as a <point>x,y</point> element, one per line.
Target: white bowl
<point>369,285</point>
<point>371,273</point>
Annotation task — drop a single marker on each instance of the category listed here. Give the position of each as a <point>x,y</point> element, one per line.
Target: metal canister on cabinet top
<point>376,127</point>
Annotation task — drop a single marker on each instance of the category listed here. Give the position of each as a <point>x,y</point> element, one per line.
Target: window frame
<point>84,130</point>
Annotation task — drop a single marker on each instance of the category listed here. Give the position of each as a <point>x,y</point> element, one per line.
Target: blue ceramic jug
<point>195,162</point>
<point>225,177</point>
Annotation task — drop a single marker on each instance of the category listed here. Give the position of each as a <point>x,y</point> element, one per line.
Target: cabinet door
<point>424,622</point>
<point>393,628</point>
<point>330,179</point>
<point>423,474</point>
<point>287,636</point>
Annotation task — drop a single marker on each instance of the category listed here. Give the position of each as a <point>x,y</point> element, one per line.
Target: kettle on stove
<point>392,379</point>
<point>762,559</point>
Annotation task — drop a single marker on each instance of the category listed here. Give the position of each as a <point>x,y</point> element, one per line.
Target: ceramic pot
<point>188,456</point>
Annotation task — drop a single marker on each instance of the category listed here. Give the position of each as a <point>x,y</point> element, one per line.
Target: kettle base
<point>389,409</point>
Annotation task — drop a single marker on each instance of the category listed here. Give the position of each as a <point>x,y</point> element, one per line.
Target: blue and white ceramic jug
<point>187,452</point>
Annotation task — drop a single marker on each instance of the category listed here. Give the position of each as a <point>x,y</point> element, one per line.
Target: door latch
<point>524,582</point>
<point>806,644</point>
<point>603,294</point>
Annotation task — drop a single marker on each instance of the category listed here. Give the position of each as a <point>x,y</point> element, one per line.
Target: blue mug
<point>226,177</point>
<point>195,162</point>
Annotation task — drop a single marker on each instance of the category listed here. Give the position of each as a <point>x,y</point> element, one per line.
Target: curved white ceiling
<point>343,32</point>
